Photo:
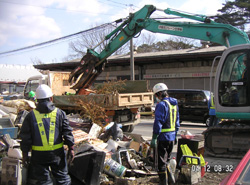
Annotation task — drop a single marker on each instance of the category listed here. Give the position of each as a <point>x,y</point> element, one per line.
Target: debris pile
<point>110,87</point>
<point>104,154</point>
<point>125,156</point>
<point>12,114</point>
<point>102,150</point>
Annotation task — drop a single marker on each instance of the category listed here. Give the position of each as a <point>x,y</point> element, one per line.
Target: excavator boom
<point>93,63</point>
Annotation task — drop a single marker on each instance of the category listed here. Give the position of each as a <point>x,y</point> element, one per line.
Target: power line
<point>111,4</point>
<point>50,42</point>
<point>118,3</point>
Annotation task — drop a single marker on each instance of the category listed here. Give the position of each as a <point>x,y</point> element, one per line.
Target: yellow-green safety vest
<point>47,145</point>
<point>173,115</point>
<point>212,102</point>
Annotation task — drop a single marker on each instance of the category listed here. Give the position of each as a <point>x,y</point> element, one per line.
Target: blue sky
<point>28,22</point>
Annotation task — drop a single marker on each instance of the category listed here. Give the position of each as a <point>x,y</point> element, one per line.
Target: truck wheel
<point>126,128</point>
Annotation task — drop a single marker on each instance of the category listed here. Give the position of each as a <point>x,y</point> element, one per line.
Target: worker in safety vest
<point>44,132</point>
<point>244,73</point>
<point>166,126</point>
<point>213,120</point>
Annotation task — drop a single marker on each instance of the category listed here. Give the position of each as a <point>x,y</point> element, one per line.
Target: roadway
<point>145,127</point>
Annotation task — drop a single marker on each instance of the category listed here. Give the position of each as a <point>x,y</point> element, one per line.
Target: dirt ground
<point>209,178</point>
<point>213,178</point>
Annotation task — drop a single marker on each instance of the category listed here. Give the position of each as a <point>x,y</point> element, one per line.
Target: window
<point>233,80</point>
<point>31,86</point>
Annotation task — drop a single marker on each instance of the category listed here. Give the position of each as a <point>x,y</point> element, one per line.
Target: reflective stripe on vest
<point>172,114</point>
<point>212,102</point>
<point>47,146</point>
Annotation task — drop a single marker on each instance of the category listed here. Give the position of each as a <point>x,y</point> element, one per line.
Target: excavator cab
<point>232,87</point>
<point>230,138</point>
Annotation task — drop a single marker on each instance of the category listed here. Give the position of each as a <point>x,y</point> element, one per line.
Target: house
<point>179,69</point>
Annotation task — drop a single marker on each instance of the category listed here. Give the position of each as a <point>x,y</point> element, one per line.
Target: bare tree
<point>173,43</point>
<point>36,61</point>
<point>176,43</point>
<point>147,38</point>
<point>92,38</point>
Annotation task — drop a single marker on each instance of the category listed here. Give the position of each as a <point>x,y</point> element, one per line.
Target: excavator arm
<point>93,63</point>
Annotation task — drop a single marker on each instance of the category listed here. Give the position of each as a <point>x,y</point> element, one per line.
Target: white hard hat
<point>43,91</point>
<point>232,88</point>
<point>159,87</point>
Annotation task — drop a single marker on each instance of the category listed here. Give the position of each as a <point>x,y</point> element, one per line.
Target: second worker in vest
<point>213,120</point>
<point>44,132</point>
<point>166,126</point>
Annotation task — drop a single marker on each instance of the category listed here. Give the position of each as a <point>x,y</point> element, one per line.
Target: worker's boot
<point>163,178</point>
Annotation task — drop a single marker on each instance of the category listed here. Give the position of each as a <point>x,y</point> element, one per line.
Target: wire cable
<point>57,39</point>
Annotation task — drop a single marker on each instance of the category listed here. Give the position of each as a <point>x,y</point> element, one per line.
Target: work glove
<point>25,159</point>
<point>71,154</point>
<point>153,143</point>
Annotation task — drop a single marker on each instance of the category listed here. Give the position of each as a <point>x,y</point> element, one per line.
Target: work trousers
<point>40,173</point>
<point>164,149</point>
<point>213,121</point>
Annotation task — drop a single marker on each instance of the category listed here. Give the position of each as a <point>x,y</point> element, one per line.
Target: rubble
<point>109,155</point>
<point>20,104</point>
<point>127,156</point>
<point>110,87</point>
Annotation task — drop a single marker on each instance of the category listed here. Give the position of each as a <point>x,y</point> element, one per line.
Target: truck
<point>230,138</point>
<point>121,107</point>
<point>232,101</point>
<point>56,80</point>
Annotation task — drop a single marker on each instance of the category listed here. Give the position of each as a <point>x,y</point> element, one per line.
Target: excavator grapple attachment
<point>85,74</point>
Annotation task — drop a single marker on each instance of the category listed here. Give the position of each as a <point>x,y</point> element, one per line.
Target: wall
<point>179,75</point>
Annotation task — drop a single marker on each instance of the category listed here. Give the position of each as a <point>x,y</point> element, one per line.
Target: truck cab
<point>32,84</point>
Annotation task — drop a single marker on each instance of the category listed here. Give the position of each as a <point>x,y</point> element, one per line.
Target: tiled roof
<point>169,53</point>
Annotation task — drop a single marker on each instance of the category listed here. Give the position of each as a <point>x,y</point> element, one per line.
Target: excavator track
<point>229,139</point>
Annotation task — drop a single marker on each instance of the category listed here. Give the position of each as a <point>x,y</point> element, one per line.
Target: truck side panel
<point>108,101</point>
<point>132,99</point>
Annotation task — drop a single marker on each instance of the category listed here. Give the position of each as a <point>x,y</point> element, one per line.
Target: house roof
<point>16,73</point>
<point>171,53</point>
<point>145,58</point>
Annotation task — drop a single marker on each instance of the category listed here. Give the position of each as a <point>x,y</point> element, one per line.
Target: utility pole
<point>132,64</point>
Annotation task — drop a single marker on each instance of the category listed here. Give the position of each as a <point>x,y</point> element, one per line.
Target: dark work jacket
<point>162,120</point>
<point>30,133</point>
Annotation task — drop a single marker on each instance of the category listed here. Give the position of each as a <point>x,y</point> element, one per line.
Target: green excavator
<point>231,137</point>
